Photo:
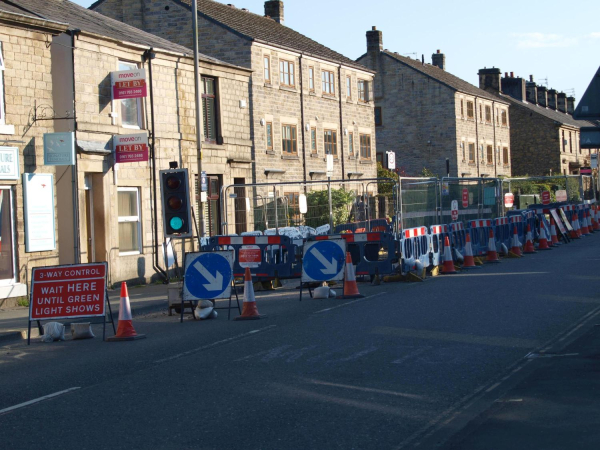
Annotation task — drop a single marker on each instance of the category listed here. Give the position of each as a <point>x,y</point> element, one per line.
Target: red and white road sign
<point>250,256</point>
<point>509,199</point>
<point>454,210</point>
<point>545,198</point>
<point>62,292</point>
<point>465,198</point>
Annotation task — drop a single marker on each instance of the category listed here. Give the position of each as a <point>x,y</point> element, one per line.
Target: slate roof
<point>258,28</point>
<point>80,18</point>
<point>551,114</point>
<point>443,77</point>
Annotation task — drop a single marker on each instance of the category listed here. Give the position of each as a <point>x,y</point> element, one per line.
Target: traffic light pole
<point>198,111</point>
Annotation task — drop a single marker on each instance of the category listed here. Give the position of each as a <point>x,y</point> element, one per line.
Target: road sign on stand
<point>454,210</point>
<point>465,198</point>
<point>324,260</point>
<point>208,275</point>
<point>329,166</point>
<point>545,198</point>
<point>250,256</point>
<point>391,160</point>
<point>509,200</point>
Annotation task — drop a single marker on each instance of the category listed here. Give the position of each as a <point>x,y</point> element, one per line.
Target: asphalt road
<point>390,371</point>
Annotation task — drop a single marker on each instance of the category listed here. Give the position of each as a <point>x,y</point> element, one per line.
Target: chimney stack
<point>542,93</point>
<point>515,87</point>
<point>374,40</point>
<point>570,105</point>
<point>489,80</point>
<point>274,9</point>
<point>439,59</point>
<point>552,99</point>
<point>531,91</point>
<point>562,102</point>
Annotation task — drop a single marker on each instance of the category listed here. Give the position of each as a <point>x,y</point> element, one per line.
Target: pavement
<point>549,401</point>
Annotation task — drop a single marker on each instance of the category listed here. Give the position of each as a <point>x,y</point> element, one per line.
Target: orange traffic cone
<point>448,265</point>
<point>576,232</point>
<point>553,235</point>
<point>125,330</point>
<point>249,310</point>
<point>595,222</point>
<point>543,239</point>
<point>469,261</point>
<point>516,244</point>
<point>350,286</point>
<point>529,242</point>
<point>590,224</point>
<point>492,254</point>
<point>584,225</point>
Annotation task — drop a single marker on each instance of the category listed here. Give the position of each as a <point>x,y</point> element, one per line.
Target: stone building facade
<point>427,115</point>
<point>306,100</point>
<point>25,79</point>
<point>545,137</point>
<point>115,214</point>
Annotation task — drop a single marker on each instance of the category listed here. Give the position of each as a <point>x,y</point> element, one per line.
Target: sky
<point>557,42</point>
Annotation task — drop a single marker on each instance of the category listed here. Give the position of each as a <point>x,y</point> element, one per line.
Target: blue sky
<point>549,39</point>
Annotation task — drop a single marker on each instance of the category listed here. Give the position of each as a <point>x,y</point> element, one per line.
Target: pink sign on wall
<point>128,84</point>
<point>131,148</point>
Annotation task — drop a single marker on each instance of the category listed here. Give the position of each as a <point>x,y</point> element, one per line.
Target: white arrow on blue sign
<point>324,260</point>
<point>208,275</point>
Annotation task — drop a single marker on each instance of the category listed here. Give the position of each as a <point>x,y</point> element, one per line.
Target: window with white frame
<point>130,222</point>
<point>328,79</point>
<point>311,79</point>
<point>349,87</point>
<point>267,68</point>
<point>363,90</point>
<point>131,108</point>
<point>286,73</point>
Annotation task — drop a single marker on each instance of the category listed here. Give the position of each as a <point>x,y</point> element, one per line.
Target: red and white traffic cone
<point>448,265</point>
<point>125,330</point>
<point>584,225</point>
<point>595,222</point>
<point>516,244</point>
<point>492,254</point>
<point>529,248</point>
<point>249,309</point>
<point>543,239</point>
<point>350,286</point>
<point>553,235</point>
<point>469,260</point>
<point>588,218</point>
<point>576,232</point>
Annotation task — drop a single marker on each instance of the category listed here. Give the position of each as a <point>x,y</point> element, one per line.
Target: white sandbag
<point>321,292</point>
<point>82,330</point>
<point>53,331</point>
<point>205,310</point>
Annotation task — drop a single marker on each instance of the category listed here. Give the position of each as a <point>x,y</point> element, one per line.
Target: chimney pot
<point>438,51</point>
<point>374,40</point>
<point>512,74</point>
<point>374,28</point>
<point>439,59</point>
<point>531,78</point>
<point>274,9</point>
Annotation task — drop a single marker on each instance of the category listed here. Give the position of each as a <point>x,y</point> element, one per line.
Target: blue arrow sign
<point>324,260</point>
<point>208,276</point>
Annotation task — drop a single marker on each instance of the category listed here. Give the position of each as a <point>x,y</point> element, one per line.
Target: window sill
<point>288,88</point>
<point>335,158</point>
<point>269,152</point>
<point>472,164</point>
<point>7,129</point>
<point>329,97</point>
<point>366,104</point>
<point>351,158</point>
<point>292,157</point>
<point>366,161</point>
<point>268,85</point>
<point>314,155</point>
<point>129,253</point>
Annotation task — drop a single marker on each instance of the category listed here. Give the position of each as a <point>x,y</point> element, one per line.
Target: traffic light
<point>175,195</point>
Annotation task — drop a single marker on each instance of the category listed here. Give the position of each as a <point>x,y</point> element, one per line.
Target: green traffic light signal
<point>176,203</point>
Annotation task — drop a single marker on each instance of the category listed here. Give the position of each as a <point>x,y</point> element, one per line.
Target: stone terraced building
<point>306,100</point>
<point>58,58</point>
<point>427,115</point>
<point>545,137</point>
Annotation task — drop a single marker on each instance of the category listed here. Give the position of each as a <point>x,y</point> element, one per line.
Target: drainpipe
<point>341,120</point>
<point>74,170</point>
<point>155,263</point>
<point>302,121</point>
<point>495,146</point>
<point>476,135</point>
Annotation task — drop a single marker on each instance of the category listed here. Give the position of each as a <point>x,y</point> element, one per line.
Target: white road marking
<point>214,344</point>
<point>37,400</point>
<point>417,352</point>
<point>348,303</point>
<point>364,389</point>
<point>359,354</point>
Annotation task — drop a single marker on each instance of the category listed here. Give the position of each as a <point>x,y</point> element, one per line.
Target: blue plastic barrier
<point>502,231</point>
<point>371,253</point>
<point>277,255</point>
<point>438,234</point>
<point>517,221</point>
<point>479,230</point>
<point>459,236</point>
<point>415,244</point>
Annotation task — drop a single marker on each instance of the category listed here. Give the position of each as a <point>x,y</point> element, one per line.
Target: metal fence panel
<point>418,202</point>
